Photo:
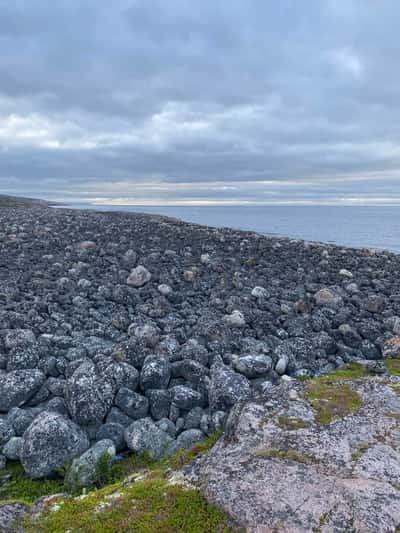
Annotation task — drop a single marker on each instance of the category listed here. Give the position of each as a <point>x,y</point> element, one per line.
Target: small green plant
<point>103,470</point>
<point>292,424</point>
<point>282,455</point>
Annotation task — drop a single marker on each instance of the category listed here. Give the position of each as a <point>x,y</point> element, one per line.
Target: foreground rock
<point>278,469</point>
<point>50,443</point>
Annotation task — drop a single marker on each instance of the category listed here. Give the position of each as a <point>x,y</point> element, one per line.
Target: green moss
<point>184,457</point>
<point>393,366</point>
<point>27,490</point>
<point>147,506</point>
<point>292,424</point>
<point>332,401</point>
<point>350,371</point>
<point>396,416</point>
<point>284,455</point>
<point>359,452</point>
<point>395,387</point>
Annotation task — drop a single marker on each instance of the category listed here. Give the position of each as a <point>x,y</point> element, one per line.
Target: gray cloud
<point>217,101</point>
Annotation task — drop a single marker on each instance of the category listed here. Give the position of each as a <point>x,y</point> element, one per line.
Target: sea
<point>376,227</point>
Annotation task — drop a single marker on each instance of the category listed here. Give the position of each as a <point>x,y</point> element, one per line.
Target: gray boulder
<point>6,431</point>
<point>160,403</point>
<point>328,296</point>
<point>131,403</point>
<point>23,358</point>
<point>156,373</point>
<point>12,450</point>
<point>188,438</point>
<point>89,396</point>
<point>143,436</point>
<point>85,470</point>
<point>112,431</point>
<point>253,366</point>
<point>186,398</point>
<point>19,386</point>
<point>227,387</point>
<point>50,443</point>
<point>138,277</point>
<point>20,419</point>
<point>19,338</point>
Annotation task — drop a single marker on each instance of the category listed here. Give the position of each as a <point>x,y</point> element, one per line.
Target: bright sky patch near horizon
<point>240,101</point>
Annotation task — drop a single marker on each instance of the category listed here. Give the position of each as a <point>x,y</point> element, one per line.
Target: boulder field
<point>129,331</point>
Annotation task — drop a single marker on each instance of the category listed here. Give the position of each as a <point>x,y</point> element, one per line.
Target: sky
<point>218,101</point>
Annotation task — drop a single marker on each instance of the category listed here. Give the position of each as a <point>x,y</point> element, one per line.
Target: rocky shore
<point>136,332</point>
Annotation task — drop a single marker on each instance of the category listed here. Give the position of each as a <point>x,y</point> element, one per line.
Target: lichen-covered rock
<point>328,296</point>
<point>12,449</point>
<point>19,386</point>
<point>143,436</point>
<point>156,373</point>
<point>10,513</point>
<point>131,403</point>
<point>391,348</point>
<point>138,277</point>
<point>6,431</point>
<point>227,387</point>
<point>253,366</point>
<point>89,396</point>
<point>278,469</point>
<point>50,443</point>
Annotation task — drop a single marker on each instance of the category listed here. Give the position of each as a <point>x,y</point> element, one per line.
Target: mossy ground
<point>393,365</point>
<point>146,501</point>
<point>351,371</point>
<point>284,455</point>
<point>332,401</point>
<point>26,490</point>
<point>332,398</point>
<point>147,506</point>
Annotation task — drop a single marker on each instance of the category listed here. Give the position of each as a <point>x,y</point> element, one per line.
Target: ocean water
<point>375,227</point>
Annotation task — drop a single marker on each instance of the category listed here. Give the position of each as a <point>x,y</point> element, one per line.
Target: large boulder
<point>277,468</point>
<point>19,386</point>
<point>89,395</point>
<point>143,436</point>
<point>50,443</point>
<point>131,403</point>
<point>227,387</point>
<point>186,398</point>
<point>156,373</point>
<point>91,465</point>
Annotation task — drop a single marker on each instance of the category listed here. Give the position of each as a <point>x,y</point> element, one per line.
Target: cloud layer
<point>239,101</point>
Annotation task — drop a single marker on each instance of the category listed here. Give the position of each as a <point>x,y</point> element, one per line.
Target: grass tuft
<point>284,455</point>
<point>332,401</point>
<point>393,366</point>
<point>291,423</point>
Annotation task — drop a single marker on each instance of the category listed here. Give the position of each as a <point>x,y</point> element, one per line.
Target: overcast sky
<point>169,101</point>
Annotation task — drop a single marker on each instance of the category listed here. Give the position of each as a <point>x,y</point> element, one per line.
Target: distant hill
<point>19,201</point>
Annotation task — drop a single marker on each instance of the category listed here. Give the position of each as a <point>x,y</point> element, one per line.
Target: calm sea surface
<point>370,227</point>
